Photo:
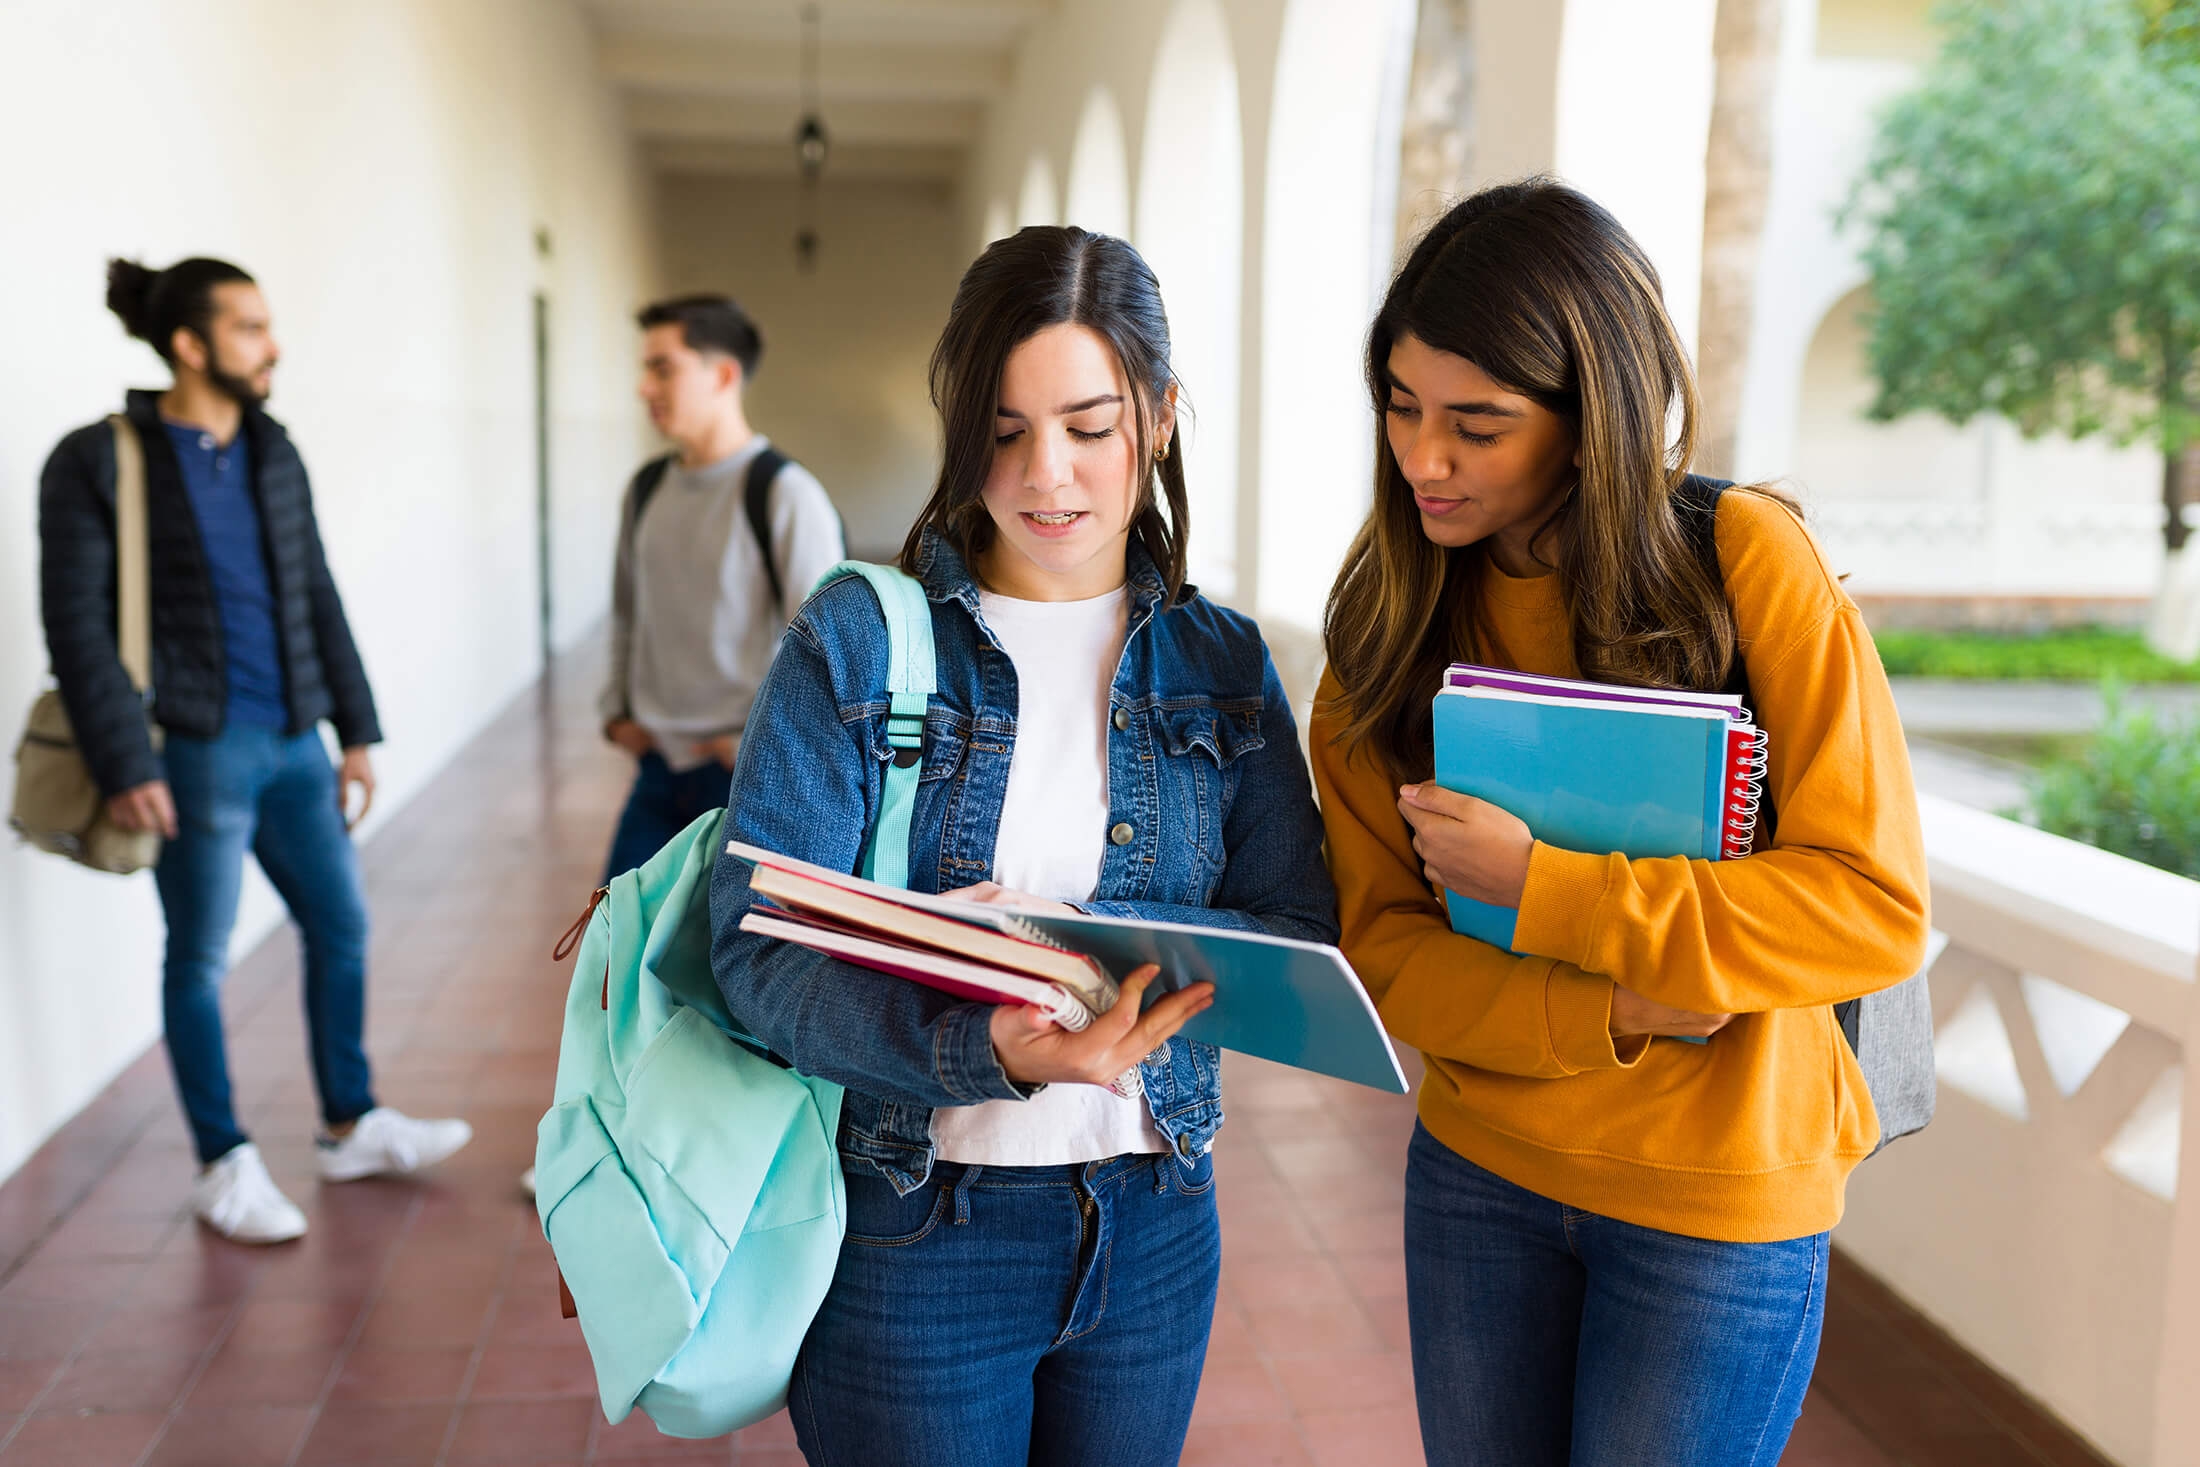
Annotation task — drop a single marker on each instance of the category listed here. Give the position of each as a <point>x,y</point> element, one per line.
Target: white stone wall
<point>383,169</point>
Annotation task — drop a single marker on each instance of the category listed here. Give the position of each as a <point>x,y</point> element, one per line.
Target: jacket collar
<point>141,405</point>
<point>947,578</point>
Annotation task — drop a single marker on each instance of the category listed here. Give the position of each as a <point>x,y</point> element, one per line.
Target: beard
<point>238,389</point>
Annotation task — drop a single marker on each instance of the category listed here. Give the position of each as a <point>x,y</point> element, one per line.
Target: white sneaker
<point>238,1199</point>
<point>387,1142</point>
<point>527,1181</point>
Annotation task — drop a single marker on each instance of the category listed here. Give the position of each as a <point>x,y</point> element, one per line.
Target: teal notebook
<point>1297,1003</point>
<point>1641,779</point>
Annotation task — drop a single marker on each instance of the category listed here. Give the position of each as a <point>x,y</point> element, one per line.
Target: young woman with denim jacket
<point>1615,1243</point>
<point>1031,1260</point>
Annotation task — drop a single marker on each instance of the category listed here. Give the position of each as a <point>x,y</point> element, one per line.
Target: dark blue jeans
<point>254,789</point>
<point>660,806</point>
<point>998,1316</point>
<point>1545,1336</point>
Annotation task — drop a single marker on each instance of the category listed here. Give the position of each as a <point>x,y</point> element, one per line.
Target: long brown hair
<point>1543,290</point>
<point>1042,276</point>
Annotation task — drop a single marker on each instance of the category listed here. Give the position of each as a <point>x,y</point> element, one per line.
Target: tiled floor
<point>418,1324</point>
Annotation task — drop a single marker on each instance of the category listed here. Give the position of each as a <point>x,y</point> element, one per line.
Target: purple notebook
<point>1471,675</point>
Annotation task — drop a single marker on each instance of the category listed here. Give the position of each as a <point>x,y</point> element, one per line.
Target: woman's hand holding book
<point>1034,1050</point>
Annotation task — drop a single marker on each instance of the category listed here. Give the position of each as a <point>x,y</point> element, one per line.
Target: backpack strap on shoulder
<point>646,480</point>
<point>911,679</point>
<point>756,497</point>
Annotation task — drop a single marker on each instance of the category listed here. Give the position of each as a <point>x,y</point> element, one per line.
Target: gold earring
<point>1161,454</point>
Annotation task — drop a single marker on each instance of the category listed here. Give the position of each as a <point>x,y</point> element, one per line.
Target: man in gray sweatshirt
<point>719,542</point>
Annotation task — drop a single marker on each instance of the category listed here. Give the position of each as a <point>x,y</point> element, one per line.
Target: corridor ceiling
<point>715,86</point>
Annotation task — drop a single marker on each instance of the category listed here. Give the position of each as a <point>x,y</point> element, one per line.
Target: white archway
<point>1099,169</point>
<point>999,223</point>
<point>1842,456</point>
<point>1191,229</point>
<point>1332,170</point>
<point>1038,202</point>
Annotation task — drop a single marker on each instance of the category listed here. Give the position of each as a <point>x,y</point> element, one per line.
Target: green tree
<point>2032,226</point>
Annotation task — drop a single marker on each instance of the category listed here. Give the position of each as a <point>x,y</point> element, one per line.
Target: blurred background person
<point>719,542</point>
<point>251,652</point>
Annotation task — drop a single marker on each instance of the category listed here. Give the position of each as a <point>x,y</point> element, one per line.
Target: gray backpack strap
<point>911,679</point>
<point>1891,1031</point>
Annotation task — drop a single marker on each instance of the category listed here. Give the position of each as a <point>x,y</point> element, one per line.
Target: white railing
<point>2038,1218</point>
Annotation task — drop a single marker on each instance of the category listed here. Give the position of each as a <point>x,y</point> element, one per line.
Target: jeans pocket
<point>878,1217</point>
<point>1194,1177</point>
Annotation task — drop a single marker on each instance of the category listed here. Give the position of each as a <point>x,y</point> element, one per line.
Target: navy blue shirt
<point>217,478</point>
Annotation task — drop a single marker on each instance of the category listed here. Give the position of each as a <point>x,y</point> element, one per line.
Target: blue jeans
<point>1544,1335</point>
<point>660,806</point>
<point>258,790</point>
<point>998,1316</point>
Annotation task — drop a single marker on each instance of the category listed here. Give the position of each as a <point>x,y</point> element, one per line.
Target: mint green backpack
<point>688,1183</point>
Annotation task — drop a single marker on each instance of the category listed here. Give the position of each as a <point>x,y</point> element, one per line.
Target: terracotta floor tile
<point>42,1329</point>
<point>532,1432</point>
<point>426,1321</point>
<point>774,1431</point>
<point>1318,1383</point>
<point>1823,1437</point>
<point>67,1439</point>
<point>1373,1438</point>
<point>130,1325</point>
<point>1245,1444</point>
<point>393,1377</point>
<point>239,1377</point>
<point>351,1436</point>
<point>232,1436</point>
<point>510,1372</point>
<point>121,1380</point>
<point>1238,1390</point>
<point>21,1382</point>
<point>637,1439</point>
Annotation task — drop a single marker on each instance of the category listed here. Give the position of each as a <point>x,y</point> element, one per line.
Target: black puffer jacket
<point>322,675</point>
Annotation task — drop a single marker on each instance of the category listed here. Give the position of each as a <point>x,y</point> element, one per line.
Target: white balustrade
<point>2038,1219</point>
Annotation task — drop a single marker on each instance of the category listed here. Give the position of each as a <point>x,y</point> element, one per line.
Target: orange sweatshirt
<point>1750,1137</point>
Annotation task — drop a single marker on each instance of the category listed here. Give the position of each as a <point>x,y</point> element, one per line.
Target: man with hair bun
<point>251,652</point>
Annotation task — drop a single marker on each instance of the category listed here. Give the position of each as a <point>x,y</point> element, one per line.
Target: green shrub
<point>2135,791</point>
<point>2083,654</point>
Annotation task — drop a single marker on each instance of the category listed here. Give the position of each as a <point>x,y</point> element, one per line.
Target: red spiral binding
<point>1745,789</point>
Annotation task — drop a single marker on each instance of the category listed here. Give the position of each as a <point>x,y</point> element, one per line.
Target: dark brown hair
<point>1542,289</point>
<point>709,323</point>
<point>1042,276</point>
<point>155,304</point>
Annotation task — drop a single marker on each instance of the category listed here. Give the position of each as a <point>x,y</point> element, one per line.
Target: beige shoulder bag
<point>58,806</point>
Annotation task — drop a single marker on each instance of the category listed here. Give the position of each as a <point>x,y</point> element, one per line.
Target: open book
<point>1297,1003</point>
<point>1007,961</point>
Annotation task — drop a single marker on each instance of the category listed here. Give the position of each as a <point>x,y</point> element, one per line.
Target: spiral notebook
<point>1297,1003</point>
<point>1644,772</point>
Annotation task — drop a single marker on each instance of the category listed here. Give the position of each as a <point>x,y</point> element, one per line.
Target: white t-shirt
<point>1053,837</point>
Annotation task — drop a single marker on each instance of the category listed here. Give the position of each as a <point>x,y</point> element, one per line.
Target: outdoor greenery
<point>2080,654</point>
<point>2032,223</point>
<point>2134,791</point>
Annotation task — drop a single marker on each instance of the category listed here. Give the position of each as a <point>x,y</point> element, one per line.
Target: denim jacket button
<point>1123,834</point>
<point>1184,1145</point>
<point>1122,720</point>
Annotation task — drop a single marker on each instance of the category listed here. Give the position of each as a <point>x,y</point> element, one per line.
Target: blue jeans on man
<point>660,806</point>
<point>275,795</point>
<point>1545,1336</point>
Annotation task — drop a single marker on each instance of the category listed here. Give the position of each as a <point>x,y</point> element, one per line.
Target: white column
<point>1614,97</point>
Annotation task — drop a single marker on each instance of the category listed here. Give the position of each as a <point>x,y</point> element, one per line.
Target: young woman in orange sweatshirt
<point>1616,1243</point>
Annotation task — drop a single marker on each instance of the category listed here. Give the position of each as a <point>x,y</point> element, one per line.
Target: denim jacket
<point>1213,822</point>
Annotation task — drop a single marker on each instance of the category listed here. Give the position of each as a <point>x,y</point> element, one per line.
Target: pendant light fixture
<point>811,143</point>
